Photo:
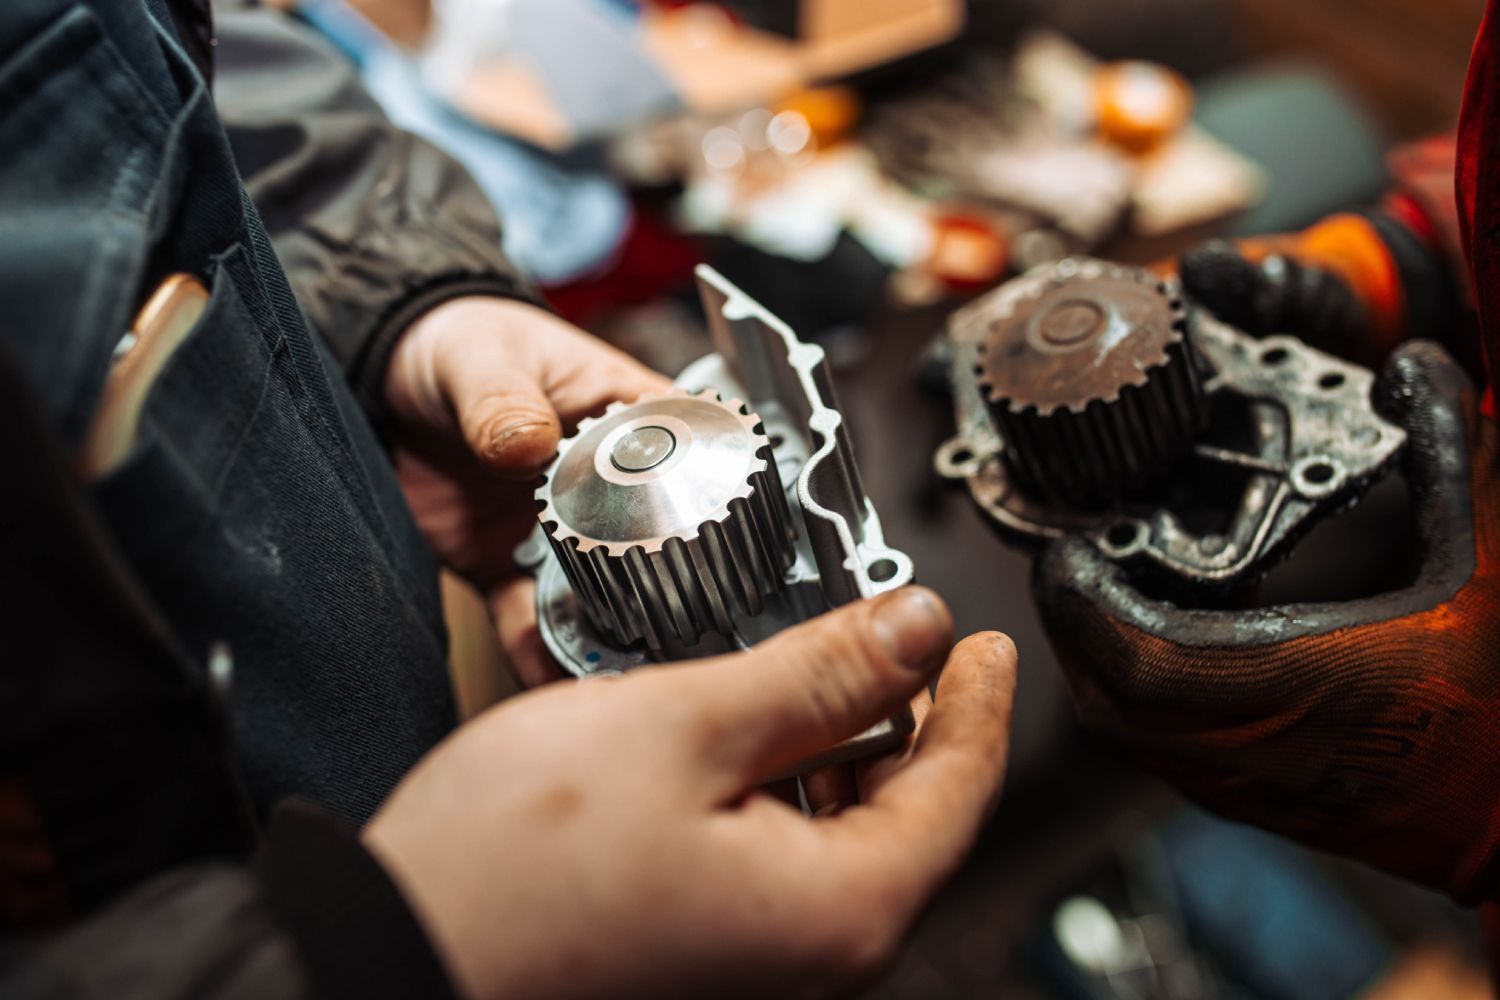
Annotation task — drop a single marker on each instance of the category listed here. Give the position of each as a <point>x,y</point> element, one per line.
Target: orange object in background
<point>830,112</point>
<point>405,22</point>
<point>1140,105</point>
<point>967,253</point>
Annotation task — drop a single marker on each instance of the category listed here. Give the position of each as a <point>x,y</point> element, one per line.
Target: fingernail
<point>519,441</point>
<point>519,427</point>
<point>912,626</point>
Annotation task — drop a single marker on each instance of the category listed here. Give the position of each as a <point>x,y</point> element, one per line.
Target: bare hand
<point>608,839</point>
<point>481,390</point>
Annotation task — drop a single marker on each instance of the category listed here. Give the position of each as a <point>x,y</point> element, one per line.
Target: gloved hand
<point>1263,290</point>
<point>1371,727</point>
<point>1356,285</point>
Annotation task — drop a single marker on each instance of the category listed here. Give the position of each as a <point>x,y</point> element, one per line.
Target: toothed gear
<point>669,517</point>
<point>1092,380</point>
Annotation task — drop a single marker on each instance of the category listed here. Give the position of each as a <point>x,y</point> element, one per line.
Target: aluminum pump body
<point>707,519</point>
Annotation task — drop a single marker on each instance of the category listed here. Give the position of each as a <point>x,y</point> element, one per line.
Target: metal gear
<point>1092,381</point>
<point>668,515</point>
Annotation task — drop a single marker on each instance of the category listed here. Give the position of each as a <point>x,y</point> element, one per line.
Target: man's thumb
<point>825,680</point>
<point>506,420</point>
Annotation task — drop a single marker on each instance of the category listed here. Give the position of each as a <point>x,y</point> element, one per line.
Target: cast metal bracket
<point>842,555</point>
<point>1315,444</point>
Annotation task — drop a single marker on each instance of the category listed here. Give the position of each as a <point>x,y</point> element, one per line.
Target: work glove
<point>1370,728</point>
<point>1355,284</point>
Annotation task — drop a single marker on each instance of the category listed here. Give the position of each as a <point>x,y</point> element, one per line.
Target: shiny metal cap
<point>668,516</point>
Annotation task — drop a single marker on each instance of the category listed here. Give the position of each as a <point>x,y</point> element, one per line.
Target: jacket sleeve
<point>373,225</point>
<point>314,916</point>
<point>197,931</point>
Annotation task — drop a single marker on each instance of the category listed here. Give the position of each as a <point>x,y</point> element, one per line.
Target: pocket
<point>196,417</point>
<point>248,526</point>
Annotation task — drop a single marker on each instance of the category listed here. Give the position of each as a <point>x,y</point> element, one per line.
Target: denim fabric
<point>257,507</point>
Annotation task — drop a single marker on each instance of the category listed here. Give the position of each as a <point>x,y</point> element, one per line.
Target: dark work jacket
<point>257,514</point>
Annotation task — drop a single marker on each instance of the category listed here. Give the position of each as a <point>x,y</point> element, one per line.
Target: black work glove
<point>1355,284</point>
<point>1275,293</point>
<point>1371,727</point>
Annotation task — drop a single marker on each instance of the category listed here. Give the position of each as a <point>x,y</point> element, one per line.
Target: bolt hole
<point>1331,380</point>
<point>1318,473</point>
<point>1122,534</point>
<point>883,570</point>
<point>1274,356</point>
<point>961,456</point>
<point>594,657</point>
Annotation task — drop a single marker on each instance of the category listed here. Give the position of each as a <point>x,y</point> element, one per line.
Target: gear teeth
<point>677,588</point>
<point>584,426</point>
<point>1117,423</point>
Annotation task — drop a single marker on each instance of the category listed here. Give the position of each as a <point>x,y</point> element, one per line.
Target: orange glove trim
<point>1349,246</point>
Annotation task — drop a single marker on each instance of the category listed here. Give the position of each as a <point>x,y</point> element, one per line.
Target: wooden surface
<point>482,675</point>
<point>1407,57</point>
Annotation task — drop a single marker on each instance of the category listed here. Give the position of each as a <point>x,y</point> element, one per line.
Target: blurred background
<point>862,167</point>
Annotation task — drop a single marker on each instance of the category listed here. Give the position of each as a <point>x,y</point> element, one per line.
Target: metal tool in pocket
<point>162,325</point>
